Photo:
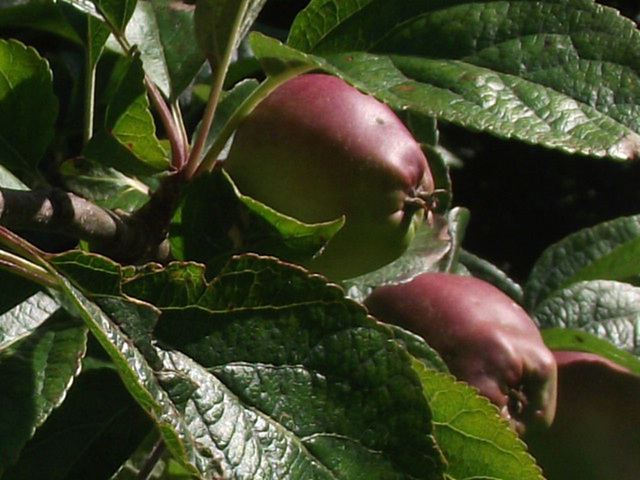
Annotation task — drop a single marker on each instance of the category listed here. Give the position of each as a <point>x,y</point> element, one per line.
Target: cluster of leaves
<point>231,361</point>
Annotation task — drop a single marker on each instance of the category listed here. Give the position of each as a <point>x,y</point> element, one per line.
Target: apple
<point>485,338</point>
<point>318,149</point>
<point>596,433</point>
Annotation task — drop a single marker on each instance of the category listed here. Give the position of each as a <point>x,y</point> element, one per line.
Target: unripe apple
<point>317,149</point>
<point>596,433</point>
<point>485,338</point>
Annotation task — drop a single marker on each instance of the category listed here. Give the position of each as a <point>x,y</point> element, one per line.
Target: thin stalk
<point>214,95</point>
<point>156,454</point>
<point>89,99</point>
<point>174,135</point>
<point>19,245</point>
<point>264,89</point>
<point>24,268</point>
<point>178,121</point>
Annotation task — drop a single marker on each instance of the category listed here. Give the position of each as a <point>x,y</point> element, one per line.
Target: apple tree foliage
<point>155,322</point>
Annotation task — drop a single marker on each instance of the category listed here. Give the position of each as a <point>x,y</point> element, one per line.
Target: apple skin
<point>596,433</point>
<point>485,338</point>
<point>316,149</point>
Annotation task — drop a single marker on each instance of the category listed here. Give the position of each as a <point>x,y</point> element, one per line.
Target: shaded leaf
<point>419,348</point>
<point>607,251</point>
<point>475,440</point>
<point>116,14</point>
<point>93,273</point>
<point>28,108</point>
<point>94,20</point>
<point>222,24</point>
<point>90,29</point>
<point>177,285</point>
<point>502,67</point>
<point>40,14</point>
<point>481,268</point>
<point>568,339</point>
<point>215,221</point>
<point>35,375</point>
<point>277,58</point>
<point>429,246</point>
<point>607,309</point>
<point>248,283</point>
<point>98,416</point>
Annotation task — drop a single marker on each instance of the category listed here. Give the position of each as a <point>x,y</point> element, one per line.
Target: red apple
<point>485,338</point>
<point>596,433</point>
<point>317,149</point>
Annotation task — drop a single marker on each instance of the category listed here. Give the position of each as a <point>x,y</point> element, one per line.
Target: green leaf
<point>229,104</point>
<point>128,141</point>
<point>177,285</point>
<point>9,180</point>
<point>28,108</point>
<point>476,441</point>
<point>94,20</point>
<point>22,320</point>
<point>607,309</point>
<point>251,445</point>
<point>163,31</point>
<point>87,7</point>
<point>568,339</point>
<point>93,273</point>
<point>36,374</point>
<point>89,436</point>
<point>222,24</point>
<point>105,186</point>
<point>39,14</point>
<point>117,14</point>
<point>91,30</point>
<point>165,469</point>
<point>532,70</point>
<point>483,269</point>
<point>215,221</point>
<point>429,246</point>
<point>315,371</point>
<point>419,348</point>
<point>314,363</point>
<point>607,251</point>
<point>277,58</point>
<point>112,329</point>
<point>458,220</point>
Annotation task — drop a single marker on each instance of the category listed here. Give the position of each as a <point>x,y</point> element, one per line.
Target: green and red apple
<point>596,432</point>
<point>485,338</point>
<point>318,149</point>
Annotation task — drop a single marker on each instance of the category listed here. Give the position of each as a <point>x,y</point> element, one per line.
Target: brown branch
<point>129,238</point>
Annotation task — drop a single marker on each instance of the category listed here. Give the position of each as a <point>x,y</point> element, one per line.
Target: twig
<point>125,237</point>
<point>220,73</point>
<point>158,450</point>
